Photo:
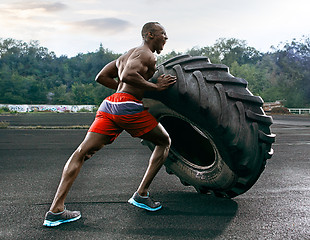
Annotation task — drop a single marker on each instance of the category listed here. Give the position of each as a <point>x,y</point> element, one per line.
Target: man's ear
<point>150,35</point>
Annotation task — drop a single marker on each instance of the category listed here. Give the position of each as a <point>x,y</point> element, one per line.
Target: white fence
<point>299,110</point>
<point>47,108</point>
<point>90,108</point>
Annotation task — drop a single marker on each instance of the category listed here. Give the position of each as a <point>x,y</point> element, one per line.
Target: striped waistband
<point>121,104</point>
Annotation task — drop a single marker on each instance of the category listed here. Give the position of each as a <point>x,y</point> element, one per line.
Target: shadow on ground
<point>185,215</point>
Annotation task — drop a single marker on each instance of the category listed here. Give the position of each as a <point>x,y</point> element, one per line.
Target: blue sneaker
<point>144,202</point>
<point>55,219</point>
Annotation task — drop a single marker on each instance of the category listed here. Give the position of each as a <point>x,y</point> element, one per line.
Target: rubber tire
<point>220,134</point>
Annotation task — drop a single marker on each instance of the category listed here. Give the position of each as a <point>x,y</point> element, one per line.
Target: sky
<point>69,27</point>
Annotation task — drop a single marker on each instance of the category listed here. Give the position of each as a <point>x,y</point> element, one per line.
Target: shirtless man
<point>122,111</point>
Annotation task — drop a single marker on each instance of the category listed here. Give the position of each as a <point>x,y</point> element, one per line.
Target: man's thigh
<point>95,141</point>
<point>157,136</point>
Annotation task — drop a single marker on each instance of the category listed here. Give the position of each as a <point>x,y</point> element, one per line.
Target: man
<point>122,111</point>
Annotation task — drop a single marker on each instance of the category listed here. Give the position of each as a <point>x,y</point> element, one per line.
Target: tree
<point>255,76</point>
<point>227,51</point>
<point>163,58</point>
<point>30,73</point>
<point>60,95</point>
<point>289,71</point>
<point>83,93</point>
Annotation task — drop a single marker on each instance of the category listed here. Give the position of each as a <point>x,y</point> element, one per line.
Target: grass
<point>49,127</point>
<point>4,124</point>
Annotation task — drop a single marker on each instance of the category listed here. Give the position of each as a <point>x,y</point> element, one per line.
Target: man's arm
<point>107,75</point>
<point>136,69</point>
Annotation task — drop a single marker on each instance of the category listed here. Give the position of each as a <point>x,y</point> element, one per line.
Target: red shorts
<point>122,111</point>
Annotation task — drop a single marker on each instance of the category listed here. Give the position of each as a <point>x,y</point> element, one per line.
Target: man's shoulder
<point>145,55</point>
<point>127,54</point>
<point>141,54</point>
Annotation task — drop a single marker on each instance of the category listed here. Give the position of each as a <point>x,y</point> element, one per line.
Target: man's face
<point>160,38</point>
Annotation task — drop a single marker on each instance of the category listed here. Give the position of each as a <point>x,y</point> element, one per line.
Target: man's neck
<point>148,45</point>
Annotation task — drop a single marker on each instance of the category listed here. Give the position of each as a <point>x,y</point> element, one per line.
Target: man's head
<point>154,35</point>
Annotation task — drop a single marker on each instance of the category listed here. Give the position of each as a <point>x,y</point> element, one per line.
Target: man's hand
<point>165,81</point>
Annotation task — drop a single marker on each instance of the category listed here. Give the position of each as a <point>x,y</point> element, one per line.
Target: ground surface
<point>31,161</point>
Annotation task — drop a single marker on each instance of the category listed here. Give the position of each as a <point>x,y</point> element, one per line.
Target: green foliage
<point>163,58</point>
<point>228,51</point>
<point>287,69</point>
<point>4,124</point>
<point>283,74</point>
<point>30,73</point>
<point>4,110</point>
<point>258,83</point>
<point>83,110</point>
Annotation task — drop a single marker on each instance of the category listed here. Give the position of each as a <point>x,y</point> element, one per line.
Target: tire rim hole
<point>195,147</point>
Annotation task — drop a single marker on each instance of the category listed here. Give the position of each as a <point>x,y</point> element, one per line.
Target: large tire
<point>220,134</point>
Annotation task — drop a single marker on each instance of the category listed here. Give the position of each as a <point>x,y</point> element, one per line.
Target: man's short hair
<point>148,27</point>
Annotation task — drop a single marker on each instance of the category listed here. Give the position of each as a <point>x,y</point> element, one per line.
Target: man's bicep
<point>107,75</point>
<point>110,70</point>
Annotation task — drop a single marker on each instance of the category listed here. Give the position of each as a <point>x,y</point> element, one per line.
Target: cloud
<point>46,6</point>
<point>106,25</point>
<point>103,12</point>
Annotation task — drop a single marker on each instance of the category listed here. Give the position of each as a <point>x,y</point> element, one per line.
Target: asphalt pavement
<point>31,161</point>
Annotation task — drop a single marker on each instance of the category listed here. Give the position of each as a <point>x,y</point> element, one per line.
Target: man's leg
<point>92,143</point>
<point>161,139</point>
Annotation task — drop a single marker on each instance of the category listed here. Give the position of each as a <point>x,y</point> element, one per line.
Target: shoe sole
<point>48,223</point>
<point>143,206</point>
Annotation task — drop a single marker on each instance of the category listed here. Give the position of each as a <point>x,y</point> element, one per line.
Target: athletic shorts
<point>122,111</point>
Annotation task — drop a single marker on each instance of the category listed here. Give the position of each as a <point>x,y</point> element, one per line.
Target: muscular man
<point>122,111</point>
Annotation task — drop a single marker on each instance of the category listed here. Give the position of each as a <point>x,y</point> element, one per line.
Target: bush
<point>83,110</point>
<point>280,110</point>
<point>4,110</point>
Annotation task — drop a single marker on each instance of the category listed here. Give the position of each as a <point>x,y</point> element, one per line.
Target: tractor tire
<point>220,134</point>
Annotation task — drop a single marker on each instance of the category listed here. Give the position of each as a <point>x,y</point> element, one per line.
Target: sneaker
<point>55,219</point>
<point>144,202</point>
